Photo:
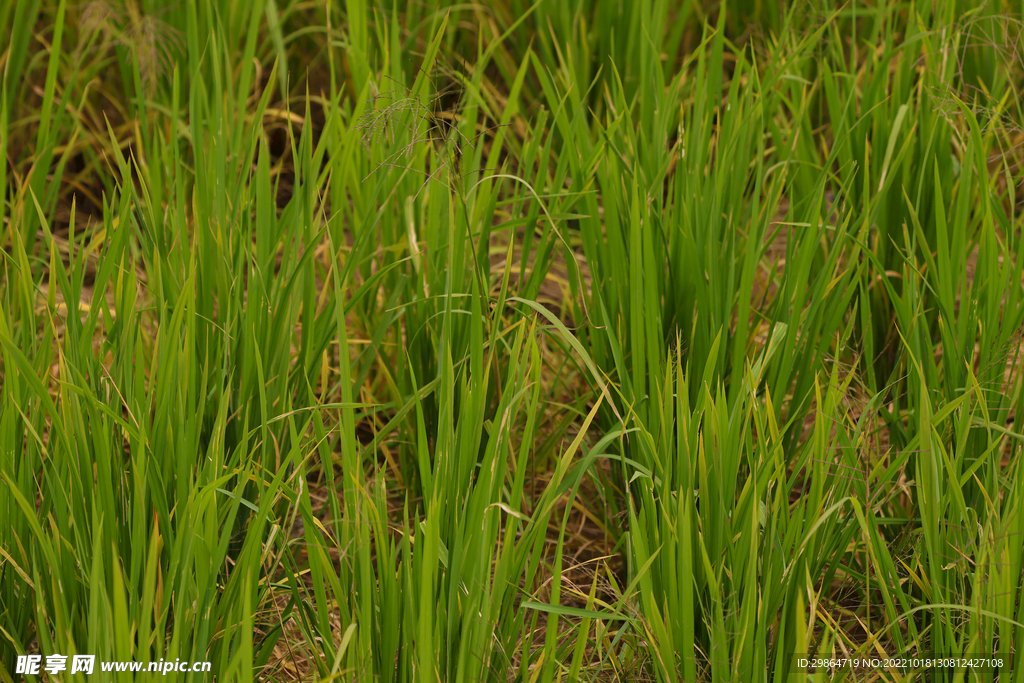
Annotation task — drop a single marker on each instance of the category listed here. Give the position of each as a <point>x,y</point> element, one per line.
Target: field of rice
<point>522,341</point>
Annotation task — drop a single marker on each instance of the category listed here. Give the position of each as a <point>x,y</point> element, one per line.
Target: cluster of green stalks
<point>580,340</point>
